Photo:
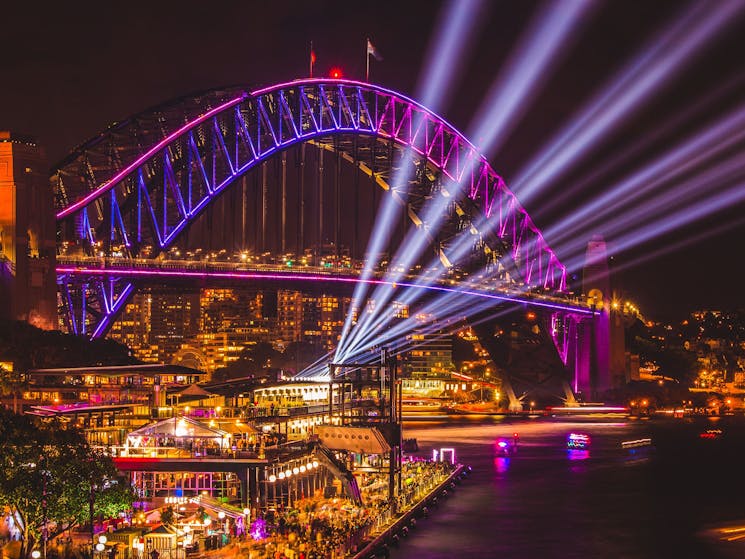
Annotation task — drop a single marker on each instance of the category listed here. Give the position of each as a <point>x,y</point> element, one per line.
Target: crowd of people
<point>335,528</point>
<point>317,527</point>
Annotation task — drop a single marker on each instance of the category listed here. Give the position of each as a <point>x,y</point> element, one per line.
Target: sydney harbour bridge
<point>326,182</point>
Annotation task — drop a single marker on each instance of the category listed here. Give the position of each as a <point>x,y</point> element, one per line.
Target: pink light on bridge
<point>313,277</point>
<point>109,184</point>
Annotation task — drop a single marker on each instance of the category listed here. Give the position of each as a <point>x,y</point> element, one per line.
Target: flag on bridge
<point>371,51</point>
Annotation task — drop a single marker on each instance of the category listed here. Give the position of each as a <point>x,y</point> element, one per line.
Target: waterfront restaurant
<point>141,384</point>
<point>177,436</point>
<point>108,402</point>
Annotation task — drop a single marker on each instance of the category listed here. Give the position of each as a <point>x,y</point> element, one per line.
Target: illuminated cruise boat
<point>578,441</point>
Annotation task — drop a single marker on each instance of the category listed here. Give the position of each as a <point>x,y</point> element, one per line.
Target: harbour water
<point>546,501</point>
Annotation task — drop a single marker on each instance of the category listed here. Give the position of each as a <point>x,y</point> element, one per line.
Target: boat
<point>421,405</point>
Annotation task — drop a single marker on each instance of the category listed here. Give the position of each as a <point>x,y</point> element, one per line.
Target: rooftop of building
<point>81,407</point>
<point>7,136</point>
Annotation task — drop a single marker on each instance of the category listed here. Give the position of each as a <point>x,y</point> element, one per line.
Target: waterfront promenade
<point>318,527</point>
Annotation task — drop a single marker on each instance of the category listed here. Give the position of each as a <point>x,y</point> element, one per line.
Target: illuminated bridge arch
<point>130,192</point>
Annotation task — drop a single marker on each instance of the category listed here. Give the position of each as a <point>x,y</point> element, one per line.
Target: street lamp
<point>246,519</point>
<point>44,530</point>
<point>35,554</point>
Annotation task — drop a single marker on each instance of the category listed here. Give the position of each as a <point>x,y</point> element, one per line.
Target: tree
<point>262,356</point>
<point>10,384</point>
<point>299,355</point>
<point>49,475</point>
<point>30,348</point>
<point>677,363</point>
<point>463,350</point>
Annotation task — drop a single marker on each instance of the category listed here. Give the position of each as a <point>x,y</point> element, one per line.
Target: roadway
<point>185,270</point>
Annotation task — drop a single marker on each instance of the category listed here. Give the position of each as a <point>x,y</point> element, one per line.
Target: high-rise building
<point>431,355</point>
<point>28,289</point>
<point>174,317</point>
<point>217,308</point>
<point>290,315</point>
<point>223,309</point>
<point>332,320</point>
<point>133,325</point>
<point>311,324</point>
<point>217,349</point>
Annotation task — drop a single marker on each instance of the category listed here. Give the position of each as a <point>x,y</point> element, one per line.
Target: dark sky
<point>69,69</point>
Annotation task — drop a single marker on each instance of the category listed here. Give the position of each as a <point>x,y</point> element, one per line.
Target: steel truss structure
<point>130,192</point>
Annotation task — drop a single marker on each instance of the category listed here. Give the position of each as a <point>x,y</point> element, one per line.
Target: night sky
<point>70,69</point>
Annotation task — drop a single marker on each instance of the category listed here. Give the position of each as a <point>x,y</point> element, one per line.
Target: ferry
<point>578,441</point>
<point>588,412</point>
<point>422,405</point>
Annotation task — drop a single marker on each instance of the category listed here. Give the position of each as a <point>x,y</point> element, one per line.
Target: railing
<point>485,285</point>
<point>170,452</point>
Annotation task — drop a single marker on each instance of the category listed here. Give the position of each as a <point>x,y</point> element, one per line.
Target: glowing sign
<point>450,451</point>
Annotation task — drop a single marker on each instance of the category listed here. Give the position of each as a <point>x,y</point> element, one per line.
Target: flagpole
<point>311,59</point>
<point>367,60</point>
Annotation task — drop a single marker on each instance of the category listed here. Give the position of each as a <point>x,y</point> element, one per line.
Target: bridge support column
<point>601,354</point>
<point>521,347</point>
<point>515,404</point>
<point>588,356</point>
<point>579,355</point>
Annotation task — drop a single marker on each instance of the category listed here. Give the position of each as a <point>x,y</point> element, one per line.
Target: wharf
<point>383,536</point>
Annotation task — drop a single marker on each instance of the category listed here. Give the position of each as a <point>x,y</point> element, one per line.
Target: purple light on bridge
<point>167,232</point>
<point>316,278</point>
<point>109,184</point>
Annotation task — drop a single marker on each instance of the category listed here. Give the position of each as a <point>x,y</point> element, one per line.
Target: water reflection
<point>661,494</point>
<point>501,464</point>
<point>578,454</point>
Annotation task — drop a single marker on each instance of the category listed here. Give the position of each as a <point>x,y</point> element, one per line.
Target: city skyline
<point>116,77</point>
